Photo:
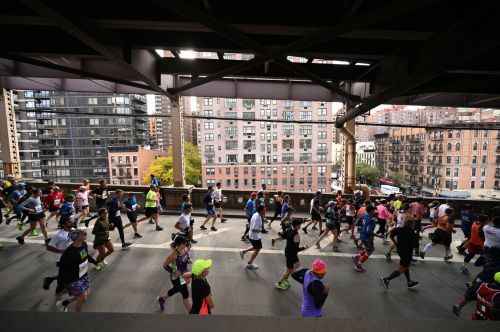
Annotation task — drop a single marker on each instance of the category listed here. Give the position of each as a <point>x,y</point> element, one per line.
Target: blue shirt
<point>367,226</point>
<point>113,207</point>
<point>250,208</point>
<point>155,181</point>
<point>66,210</point>
<point>468,218</point>
<point>130,202</point>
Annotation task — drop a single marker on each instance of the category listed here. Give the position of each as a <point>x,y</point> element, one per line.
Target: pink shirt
<point>417,211</point>
<point>383,213</point>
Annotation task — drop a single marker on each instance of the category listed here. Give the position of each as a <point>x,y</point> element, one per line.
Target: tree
<point>398,179</point>
<point>367,173</point>
<point>163,167</point>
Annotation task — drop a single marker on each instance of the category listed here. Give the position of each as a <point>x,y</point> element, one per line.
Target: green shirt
<point>101,231</point>
<point>397,205</point>
<point>151,195</point>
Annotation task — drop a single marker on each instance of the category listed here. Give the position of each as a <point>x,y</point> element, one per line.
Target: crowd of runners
<point>396,220</point>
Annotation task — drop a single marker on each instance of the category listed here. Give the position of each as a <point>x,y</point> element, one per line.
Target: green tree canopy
<point>398,178</point>
<point>163,167</point>
<point>368,173</point>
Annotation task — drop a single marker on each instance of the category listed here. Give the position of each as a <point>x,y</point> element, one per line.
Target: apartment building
<point>365,153</point>
<point>293,155</point>
<point>128,164</point>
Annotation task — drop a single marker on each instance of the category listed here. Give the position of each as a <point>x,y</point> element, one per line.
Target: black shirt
<point>100,191</point>
<point>291,247</point>
<point>407,239</point>
<point>200,289</point>
<point>72,261</point>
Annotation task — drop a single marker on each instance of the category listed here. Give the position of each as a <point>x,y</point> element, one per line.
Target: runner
<point>82,204</point>
<point>402,219</point>
<point>73,271</point>
<point>115,220</point>
<point>151,210</point>
<point>382,216</point>
<point>33,206</point>
<point>487,295</point>
<point>255,236</point>
<point>405,240</point>
<point>131,204</point>
<point>315,210</point>
<point>58,244</point>
<point>67,210</point>
<point>183,223</point>
<point>278,206</point>
<point>332,225</point>
<point>101,195</point>
<point>476,241</point>
<point>53,201</point>
<point>468,217</point>
<point>15,198</point>
<point>176,264</point>
<point>101,239</point>
<point>442,235</point>
<point>417,211</point>
<point>208,201</point>
<point>366,234</point>
<point>154,180</point>
<point>314,290</point>
<point>350,212</point>
<point>433,216</point>
<point>201,293</point>
<point>443,207</point>
<point>261,201</point>
<point>292,248</point>
<point>217,197</point>
<point>285,223</point>
<point>249,211</point>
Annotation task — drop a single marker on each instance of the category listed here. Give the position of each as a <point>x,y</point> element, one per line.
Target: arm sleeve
<point>23,204</point>
<point>317,290</point>
<point>299,275</point>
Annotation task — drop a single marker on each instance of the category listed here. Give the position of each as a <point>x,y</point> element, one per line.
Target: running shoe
<point>269,226</point>
<point>336,248</point>
<point>61,307</point>
<point>34,233</point>
<point>280,285</point>
<point>213,229</point>
<point>223,220</point>
<point>287,283</point>
<point>314,228</point>
<point>340,241</point>
<point>252,266</point>
<point>20,226</point>
<point>203,228</point>
<point>242,254</point>
<point>161,302</point>
<point>447,258</point>
<point>194,241</point>
<point>305,230</point>
<point>126,244</point>
<point>137,236</point>
<point>151,221</point>
<point>464,270</point>
<point>461,250</point>
<point>470,284</point>
<point>422,255</point>
<point>353,237</point>
<point>20,239</point>
<point>318,245</point>
<point>388,257</point>
<point>99,266</point>
<point>359,269</point>
<point>46,283</point>
<point>355,260</point>
<point>273,241</point>
<point>412,284</point>
<point>158,228</point>
<point>385,283</point>
<point>456,310</point>
<point>104,262</point>
<point>47,241</point>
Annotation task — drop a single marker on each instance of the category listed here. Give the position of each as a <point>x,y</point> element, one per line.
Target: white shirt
<point>491,236</point>
<point>82,198</point>
<point>442,208</point>
<point>61,241</point>
<point>217,195</point>
<point>255,223</point>
<point>184,221</point>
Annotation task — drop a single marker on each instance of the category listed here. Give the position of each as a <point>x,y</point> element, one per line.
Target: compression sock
<point>393,275</point>
<point>407,275</point>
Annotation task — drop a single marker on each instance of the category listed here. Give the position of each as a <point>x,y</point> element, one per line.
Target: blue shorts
<point>368,245</point>
<point>78,287</point>
<point>211,212</point>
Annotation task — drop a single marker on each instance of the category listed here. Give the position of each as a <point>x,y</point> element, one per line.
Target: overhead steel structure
<point>424,52</point>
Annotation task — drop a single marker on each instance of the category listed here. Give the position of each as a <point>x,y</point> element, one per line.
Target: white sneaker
<point>252,266</point>
<point>60,307</point>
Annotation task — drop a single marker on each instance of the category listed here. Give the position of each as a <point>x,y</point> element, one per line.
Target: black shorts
<point>256,244</point>
<point>217,205</point>
<point>330,226</point>
<point>466,232</point>
<point>315,216</point>
<point>132,216</point>
<point>178,288</point>
<point>441,237</point>
<point>405,260</point>
<point>34,217</point>
<point>150,211</point>
<point>349,220</point>
<point>53,208</point>
<point>291,259</point>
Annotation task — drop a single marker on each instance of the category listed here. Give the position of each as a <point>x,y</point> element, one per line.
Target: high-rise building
<point>74,146</point>
<point>293,156</point>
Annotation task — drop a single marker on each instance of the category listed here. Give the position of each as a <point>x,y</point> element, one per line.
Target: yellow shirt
<point>151,195</point>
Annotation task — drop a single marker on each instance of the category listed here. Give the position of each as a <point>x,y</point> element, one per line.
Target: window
<point>287,103</point>
<point>283,170</point>
<point>305,116</point>
<point>449,146</point>
<point>474,159</point>
<point>228,171</point>
<point>322,181</point>
<point>209,148</point>
<point>287,116</point>
<point>322,124</point>
<point>305,129</point>
<point>305,144</point>
<point>292,172</point>
<point>287,157</point>
<point>457,159</point>
<point>230,102</point>
<point>249,103</point>
<point>249,130</point>
<point>485,146</point>
<point>474,146</point>
<point>448,172</point>
<point>473,184</point>
<point>321,146</point>
<point>209,137</point>
<point>231,145</point>
<point>287,144</point>
<point>249,115</point>
<point>321,158</point>
<point>232,158</point>
<point>208,113</point>
<point>473,171</point>
<point>476,133</point>
<point>265,102</point>
<point>288,130</point>
<point>305,157</point>
<point>457,147</point>
<point>249,145</point>
<point>321,170</point>
<point>321,134</point>
<point>455,172</point>
<point>481,184</point>
<point>207,101</point>
<point>450,134</point>
<point>232,131</point>
<point>483,159</point>
<point>209,125</point>
<point>321,111</point>
<point>210,171</point>
<point>305,104</point>
<point>249,158</point>
<point>448,159</point>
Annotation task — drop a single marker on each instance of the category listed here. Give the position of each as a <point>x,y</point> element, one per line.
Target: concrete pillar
<point>351,154</point>
<point>178,144</point>
<point>8,135</point>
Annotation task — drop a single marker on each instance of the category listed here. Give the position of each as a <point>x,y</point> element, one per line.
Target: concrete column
<point>351,154</point>
<point>8,135</point>
<point>178,144</point>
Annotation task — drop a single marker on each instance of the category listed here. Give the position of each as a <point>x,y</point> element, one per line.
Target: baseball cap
<point>75,234</point>
<point>318,266</point>
<point>253,194</point>
<point>83,188</point>
<point>21,184</point>
<point>332,203</point>
<point>200,265</point>
<point>70,196</point>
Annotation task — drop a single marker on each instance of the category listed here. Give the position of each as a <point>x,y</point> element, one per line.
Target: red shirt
<point>54,199</point>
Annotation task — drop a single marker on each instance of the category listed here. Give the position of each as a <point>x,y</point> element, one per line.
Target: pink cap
<point>318,266</point>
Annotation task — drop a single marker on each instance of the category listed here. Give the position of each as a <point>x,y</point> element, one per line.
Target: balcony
<point>394,141</point>
<point>414,150</point>
<point>413,171</point>
<point>414,139</point>
<point>437,138</point>
<point>413,161</point>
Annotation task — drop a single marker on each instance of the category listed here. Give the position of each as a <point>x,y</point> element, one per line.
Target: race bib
<point>104,194</point>
<point>38,209</point>
<point>135,207</point>
<point>83,269</point>
<point>57,201</point>
<point>117,214</point>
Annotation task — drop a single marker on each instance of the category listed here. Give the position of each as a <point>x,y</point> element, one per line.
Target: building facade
<point>293,156</point>
<point>365,153</point>
<point>128,164</point>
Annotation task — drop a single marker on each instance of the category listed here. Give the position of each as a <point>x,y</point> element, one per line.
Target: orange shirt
<point>474,235</point>
<point>442,222</point>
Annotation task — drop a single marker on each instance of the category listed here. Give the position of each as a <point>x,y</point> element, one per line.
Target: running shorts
<point>474,248</point>
<point>441,237</point>
<point>256,244</point>
<point>34,217</point>
<point>368,245</point>
<point>315,216</point>
<point>349,220</point>
<point>150,211</point>
<point>53,208</point>
<point>77,288</point>
<point>291,259</point>
<point>210,211</point>
<point>217,205</point>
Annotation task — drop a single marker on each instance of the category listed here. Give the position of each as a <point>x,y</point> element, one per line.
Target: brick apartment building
<point>128,164</point>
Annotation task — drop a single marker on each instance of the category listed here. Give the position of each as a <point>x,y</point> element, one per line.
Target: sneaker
<point>385,283</point>
<point>61,307</point>
<point>151,221</point>
<point>280,285</point>
<point>99,267</point>
<point>104,262</point>
<point>20,239</point>
<point>242,254</point>
<point>388,257</point>
<point>6,215</point>
<point>422,255</point>
<point>20,226</point>
<point>223,220</point>
<point>456,310</point>
<point>359,269</point>
<point>336,248</point>
<point>8,221</point>
<point>203,228</point>
<point>355,260</point>
<point>470,284</point>
<point>314,228</point>
<point>46,283</point>
<point>412,284</point>
<point>158,228</point>
<point>161,302</point>
<point>243,238</point>
<point>340,241</point>
<point>193,241</point>
<point>305,230</point>
<point>318,245</point>
<point>464,270</point>
<point>213,229</point>
<point>137,236</point>
<point>34,233</point>
<point>287,283</point>
<point>86,222</point>
<point>273,241</point>
<point>252,266</point>
<point>126,244</point>
<point>447,258</point>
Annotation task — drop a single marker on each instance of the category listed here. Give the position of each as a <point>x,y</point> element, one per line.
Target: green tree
<point>398,178</point>
<point>368,173</point>
<point>163,167</point>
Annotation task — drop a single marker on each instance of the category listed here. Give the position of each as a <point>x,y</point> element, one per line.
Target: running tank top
<point>308,307</point>
<point>181,262</point>
<point>474,235</point>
